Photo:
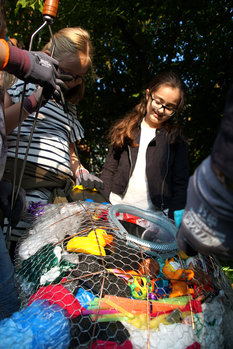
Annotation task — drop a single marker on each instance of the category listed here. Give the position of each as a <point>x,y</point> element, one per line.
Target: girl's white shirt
<point>137,193</point>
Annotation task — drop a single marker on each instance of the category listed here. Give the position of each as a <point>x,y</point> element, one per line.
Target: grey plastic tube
<point>167,249</point>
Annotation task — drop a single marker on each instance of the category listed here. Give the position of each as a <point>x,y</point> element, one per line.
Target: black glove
<point>5,203</point>
<point>84,178</point>
<point>43,71</point>
<point>207,220</point>
<point>38,68</point>
<point>184,244</point>
<point>222,152</point>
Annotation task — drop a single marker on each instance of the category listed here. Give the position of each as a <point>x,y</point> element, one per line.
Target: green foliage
<point>33,4</point>
<point>228,270</point>
<point>133,40</point>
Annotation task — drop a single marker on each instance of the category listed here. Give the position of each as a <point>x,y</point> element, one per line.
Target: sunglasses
<point>74,77</point>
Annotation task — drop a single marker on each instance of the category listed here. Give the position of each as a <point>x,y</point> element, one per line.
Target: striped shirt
<point>53,133</point>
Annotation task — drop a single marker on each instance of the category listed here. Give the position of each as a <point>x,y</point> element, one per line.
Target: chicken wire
<point>84,284</point>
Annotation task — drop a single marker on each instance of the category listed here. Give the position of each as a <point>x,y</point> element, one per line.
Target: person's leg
<point>9,301</point>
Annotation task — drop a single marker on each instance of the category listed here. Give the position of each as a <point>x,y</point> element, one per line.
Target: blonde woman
<point>52,166</point>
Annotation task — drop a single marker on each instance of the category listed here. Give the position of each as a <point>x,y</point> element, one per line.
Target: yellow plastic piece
<point>85,245</point>
<point>161,319</point>
<point>183,255</point>
<point>98,236</point>
<point>94,243</point>
<point>140,321</point>
<point>102,236</point>
<point>80,187</point>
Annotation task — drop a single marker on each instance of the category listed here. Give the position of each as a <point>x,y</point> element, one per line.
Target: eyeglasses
<point>74,77</point>
<point>168,111</point>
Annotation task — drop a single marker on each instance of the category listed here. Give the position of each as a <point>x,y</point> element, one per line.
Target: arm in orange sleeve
<point>4,53</point>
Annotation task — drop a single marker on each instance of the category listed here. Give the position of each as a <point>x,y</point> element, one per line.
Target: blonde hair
<point>72,41</point>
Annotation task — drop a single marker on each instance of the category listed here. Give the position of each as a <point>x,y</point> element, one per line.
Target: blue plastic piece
<point>89,200</point>
<point>178,214</point>
<point>84,297</point>
<point>38,326</point>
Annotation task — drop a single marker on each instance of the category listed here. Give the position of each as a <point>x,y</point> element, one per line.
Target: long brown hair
<point>123,131</point>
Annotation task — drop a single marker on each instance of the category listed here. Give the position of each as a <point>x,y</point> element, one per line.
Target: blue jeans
<point>9,302</point>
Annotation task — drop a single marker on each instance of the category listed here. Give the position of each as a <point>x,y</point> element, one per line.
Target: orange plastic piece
<point>178,278</point>
<point>137,306</point>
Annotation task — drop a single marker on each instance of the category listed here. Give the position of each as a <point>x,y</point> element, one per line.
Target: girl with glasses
<point>147,162</point>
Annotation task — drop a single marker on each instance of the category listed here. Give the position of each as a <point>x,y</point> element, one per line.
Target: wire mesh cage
<point>90,275</point>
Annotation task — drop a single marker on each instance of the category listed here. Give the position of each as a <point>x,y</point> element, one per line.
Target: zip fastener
<point>130,172</point>
<point>162,191</point>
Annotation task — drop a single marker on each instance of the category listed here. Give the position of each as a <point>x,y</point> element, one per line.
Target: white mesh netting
<point>84,283</point>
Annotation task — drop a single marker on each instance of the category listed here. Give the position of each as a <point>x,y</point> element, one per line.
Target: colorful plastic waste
<point>38,326</point>
<point>94,243</point>
<point>178,277</point>
<point>58,294</point>
<point>84,296</point>
<point>43,268</point>
<point>140,286</point>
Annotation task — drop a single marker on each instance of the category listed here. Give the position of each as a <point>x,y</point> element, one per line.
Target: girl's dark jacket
<point>166,170</point>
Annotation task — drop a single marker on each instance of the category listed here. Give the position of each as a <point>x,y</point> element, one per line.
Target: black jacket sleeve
<point>108,172</point>
<point>222,153</point>
<point>180,178</point>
